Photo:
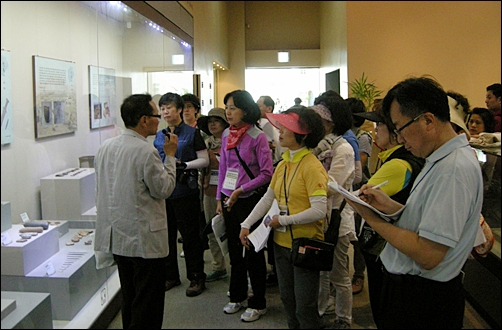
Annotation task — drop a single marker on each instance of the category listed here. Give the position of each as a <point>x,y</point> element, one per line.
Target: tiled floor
<point>206,310</point>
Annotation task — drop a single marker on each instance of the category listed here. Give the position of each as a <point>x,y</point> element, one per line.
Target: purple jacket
<point>255,152</point>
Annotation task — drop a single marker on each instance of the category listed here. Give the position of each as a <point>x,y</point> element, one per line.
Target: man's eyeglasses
<point>156,116</point>
<point>398,131</point>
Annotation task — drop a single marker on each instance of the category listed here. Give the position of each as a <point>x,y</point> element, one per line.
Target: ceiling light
<point>283,57</point>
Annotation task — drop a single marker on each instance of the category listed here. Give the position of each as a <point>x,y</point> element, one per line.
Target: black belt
<point>408,278</point>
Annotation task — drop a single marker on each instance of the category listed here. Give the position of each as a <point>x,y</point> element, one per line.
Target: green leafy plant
<point>365,91</point>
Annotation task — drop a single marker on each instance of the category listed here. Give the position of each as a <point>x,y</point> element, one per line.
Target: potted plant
<point>365,91</point>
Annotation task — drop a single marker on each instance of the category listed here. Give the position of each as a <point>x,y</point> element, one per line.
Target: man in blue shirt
<point>429,244</point>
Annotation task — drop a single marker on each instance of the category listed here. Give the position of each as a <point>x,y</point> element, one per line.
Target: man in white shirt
<point>132,185</point>
<point>266,105</point>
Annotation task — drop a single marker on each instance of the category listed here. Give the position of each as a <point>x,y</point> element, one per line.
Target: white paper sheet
<point>354,197</point>
<point>259,236</point>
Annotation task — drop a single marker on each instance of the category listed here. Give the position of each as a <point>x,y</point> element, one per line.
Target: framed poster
<point>55,97</point>
<point>102,97</point>
<point>6,105</point>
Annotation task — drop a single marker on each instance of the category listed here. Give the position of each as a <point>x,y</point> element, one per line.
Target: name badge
<point>213,179</point>
<point>231,179</point>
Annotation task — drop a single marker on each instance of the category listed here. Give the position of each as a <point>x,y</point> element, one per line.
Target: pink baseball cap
<point>289,120</point>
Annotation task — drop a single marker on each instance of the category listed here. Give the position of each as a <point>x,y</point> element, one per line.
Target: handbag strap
<point>248,171</point>
<point>342,205</point>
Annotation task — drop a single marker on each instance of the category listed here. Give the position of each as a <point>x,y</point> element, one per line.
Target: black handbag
<point>260,191</point>
<point>311,253</point>
<point>370,241</point>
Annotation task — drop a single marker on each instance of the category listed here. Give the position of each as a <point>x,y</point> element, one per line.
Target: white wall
<point>67,31</point>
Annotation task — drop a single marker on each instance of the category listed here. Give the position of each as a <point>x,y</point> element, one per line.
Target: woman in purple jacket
<point>236,197</point>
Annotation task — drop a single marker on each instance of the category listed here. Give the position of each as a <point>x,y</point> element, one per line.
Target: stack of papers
<point>354,197</point>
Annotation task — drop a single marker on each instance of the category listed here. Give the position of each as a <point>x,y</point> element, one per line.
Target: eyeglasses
<point>156,116</point>
<point>398,131</point>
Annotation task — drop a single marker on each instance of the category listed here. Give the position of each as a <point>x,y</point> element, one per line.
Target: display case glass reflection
<point>489,159</point>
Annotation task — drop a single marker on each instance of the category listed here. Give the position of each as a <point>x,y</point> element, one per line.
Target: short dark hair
<point>134,107</point>
<point>267,100</point>
<point>310,120</point>
<point>487,117</point>
<point>192,99</point>
<point>339,109</point>
<point>356,106</point>
<point>416,96</point>
<point>244,101</point>
<point>172,98</point>
<point>495,88</point>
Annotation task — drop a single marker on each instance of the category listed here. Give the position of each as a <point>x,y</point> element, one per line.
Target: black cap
<point>371,116</point>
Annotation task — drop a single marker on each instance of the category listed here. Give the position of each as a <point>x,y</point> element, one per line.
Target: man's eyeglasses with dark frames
<point>156,116</point>
<point>398,131</point>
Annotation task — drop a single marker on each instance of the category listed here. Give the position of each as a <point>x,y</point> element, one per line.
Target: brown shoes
<point>357,285</point>
<point>172,283</point>
<point>196,287</point>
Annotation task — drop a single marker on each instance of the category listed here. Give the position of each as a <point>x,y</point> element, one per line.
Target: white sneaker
<point>232,308</point>
<point>252,314</point>
<point>250,291</point>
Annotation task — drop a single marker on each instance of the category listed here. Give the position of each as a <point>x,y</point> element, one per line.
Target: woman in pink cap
<point>299,185</point>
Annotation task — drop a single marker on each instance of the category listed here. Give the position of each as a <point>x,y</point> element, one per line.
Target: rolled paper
<point>31,230</point>
<point>43,224</point>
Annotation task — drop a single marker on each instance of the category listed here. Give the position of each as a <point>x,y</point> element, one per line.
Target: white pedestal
<point>69,196</point>
<point>21,258</point>
<point>6,216</point>
<point>32,311</point>
<point>8,305</point>
<point>90,214</point>
<point>73,284</point>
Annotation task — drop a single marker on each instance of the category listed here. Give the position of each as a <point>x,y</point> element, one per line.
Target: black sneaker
<point>272,279</point>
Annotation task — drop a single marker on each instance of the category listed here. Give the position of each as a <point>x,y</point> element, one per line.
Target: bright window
<point>284,85</point>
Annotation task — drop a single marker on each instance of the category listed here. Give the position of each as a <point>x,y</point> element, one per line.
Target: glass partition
<point>131,54</point>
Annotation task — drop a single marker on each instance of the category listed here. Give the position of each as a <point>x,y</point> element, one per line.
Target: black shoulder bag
<point>260,191</point>
<point>331,235</point>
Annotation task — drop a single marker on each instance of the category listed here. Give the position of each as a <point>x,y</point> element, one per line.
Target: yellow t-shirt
<point>305,177</point>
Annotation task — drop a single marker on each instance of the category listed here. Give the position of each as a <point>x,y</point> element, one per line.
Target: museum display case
<point>58,261</point>
<point>482,275</point>
<point>97,68</point>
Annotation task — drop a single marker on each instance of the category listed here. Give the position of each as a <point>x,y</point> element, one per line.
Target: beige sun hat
<point>214,112</point>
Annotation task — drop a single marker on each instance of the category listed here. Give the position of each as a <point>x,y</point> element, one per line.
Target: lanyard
<point>290,181</point>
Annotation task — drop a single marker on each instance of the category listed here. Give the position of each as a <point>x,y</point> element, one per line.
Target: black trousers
<point>253,262</point>
<point>413,302</point>
<point>183,214</point>
<point>142,283</point>
<point>375,283</point>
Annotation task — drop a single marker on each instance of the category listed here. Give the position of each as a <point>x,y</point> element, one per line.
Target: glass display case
<point>482,275</point>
